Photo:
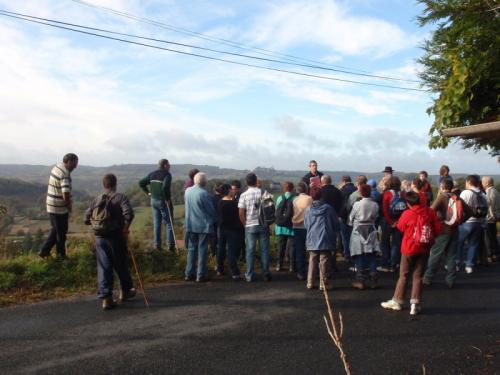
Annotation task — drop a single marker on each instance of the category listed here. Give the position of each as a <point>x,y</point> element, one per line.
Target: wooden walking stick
<point>172,228</point>
<point>138,277</point>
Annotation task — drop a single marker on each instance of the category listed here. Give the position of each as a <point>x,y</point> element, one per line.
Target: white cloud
<point>328,23</point>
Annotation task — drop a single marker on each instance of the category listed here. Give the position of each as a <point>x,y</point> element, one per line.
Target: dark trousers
<point>111,254</point>
<point>57,235</point>
<point>231,240</point>
<point>492,240</point>
<point>299,244</point>
<point>285,250</point>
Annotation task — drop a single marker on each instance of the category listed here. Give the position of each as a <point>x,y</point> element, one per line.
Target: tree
<point>462,66</point>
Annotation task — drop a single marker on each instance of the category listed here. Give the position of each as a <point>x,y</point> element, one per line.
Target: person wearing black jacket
<point>330,194</point>
<point>345,230</point>
<point>229,232</point>
<point>111,241</point>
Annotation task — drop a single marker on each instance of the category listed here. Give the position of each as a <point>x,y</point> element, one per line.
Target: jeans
<point>111,254</point>
<point>366,261</point>
<point>471,232</point>
<point>57,235</point>
<point>445,246</point>
<point>390,244</point>
<point>299,243</point>
<point>161,214</point>
<point>197,245</point>
<point>252,235</point>
<point>415,263</point>
<point>231,239</point>
<point>345,234</point>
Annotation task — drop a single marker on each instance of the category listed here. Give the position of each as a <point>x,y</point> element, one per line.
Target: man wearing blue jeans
<point>472,230</point>
<point>200,216</point>
<point>157,186</point>
<point>249,216</point>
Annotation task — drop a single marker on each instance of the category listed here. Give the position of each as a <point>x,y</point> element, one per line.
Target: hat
<point>388,169</point>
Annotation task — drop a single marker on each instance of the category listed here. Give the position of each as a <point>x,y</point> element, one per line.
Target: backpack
<point>397,205</point>
<point>101,220</point>
<point>267,211</point>
<point>455,211</point>
<point>423,233</point>
<point>478,205</point>
<point>284,212</point>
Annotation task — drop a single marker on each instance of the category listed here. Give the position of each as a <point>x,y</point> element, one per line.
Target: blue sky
<point>113,103</point>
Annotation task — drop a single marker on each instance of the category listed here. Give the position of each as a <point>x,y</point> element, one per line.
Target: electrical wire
<point>3,13</point>
<point>262,51</point>
<point>212,50</point>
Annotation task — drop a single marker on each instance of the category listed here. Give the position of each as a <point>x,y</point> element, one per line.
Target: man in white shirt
<point>248,205</point>
<point>472,229</point>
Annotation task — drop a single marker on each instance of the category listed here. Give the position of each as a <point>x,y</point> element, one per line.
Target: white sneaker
<point>391,305</point>
<point>468,269</point>
<point>415,309</point>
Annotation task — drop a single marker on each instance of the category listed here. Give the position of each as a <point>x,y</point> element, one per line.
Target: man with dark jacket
<point>345,230</point>
<point>313,178</point>
<point>110,216</point>
<point>157,186</point>
<point>330,194</point>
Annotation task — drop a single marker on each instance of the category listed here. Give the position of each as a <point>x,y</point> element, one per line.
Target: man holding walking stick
<point>110,215</point>
<point>157,186</point>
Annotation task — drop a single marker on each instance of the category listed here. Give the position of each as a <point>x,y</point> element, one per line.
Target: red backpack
<point>455,211</point>
<point>423,234</point>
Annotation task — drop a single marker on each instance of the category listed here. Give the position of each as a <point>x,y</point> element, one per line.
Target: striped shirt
<point>59,183</point>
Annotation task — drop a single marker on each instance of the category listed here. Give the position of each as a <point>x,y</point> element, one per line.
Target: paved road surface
<point>223,327</point>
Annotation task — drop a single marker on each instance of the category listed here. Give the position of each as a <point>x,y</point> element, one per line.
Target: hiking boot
<point>43,255</point>
<point>391,305</point>
<point>108,303</point>
<point>358,284</point>
<point>158,248</point>
<point>61,257</point>
<point>414,309</point>
<point>129,294</point>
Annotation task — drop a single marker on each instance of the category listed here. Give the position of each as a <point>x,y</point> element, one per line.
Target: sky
<point>114,103</point>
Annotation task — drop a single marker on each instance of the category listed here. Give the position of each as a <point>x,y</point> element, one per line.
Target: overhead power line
<point>261,51</point>
<point>211,49</point>
<point>7,14</point>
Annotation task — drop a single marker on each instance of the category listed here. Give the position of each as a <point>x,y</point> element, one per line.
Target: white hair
<point>200,178</point>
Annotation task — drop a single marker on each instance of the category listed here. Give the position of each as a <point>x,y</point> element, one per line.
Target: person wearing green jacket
<point>157,186</point>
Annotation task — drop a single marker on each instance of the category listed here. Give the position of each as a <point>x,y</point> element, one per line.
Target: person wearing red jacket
<point>420,226</point>
<point>417,185</point>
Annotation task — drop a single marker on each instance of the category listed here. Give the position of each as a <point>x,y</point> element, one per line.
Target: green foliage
<point>462,65</point>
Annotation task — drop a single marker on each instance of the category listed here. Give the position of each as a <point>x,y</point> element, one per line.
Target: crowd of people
<point>385,226</point>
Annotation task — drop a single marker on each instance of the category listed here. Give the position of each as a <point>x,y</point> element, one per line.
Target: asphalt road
<point>226,327</point>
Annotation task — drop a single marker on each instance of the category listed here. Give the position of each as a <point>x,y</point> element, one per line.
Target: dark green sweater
<point>157,184</point>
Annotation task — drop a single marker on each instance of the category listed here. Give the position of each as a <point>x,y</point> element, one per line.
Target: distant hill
<point>88,179</point>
